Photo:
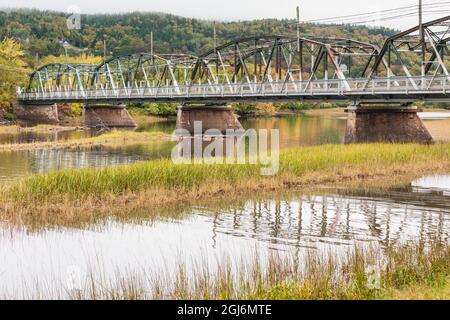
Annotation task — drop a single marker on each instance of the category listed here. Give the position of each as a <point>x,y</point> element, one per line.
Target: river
<point>301,130</point>
<point>40,262</point>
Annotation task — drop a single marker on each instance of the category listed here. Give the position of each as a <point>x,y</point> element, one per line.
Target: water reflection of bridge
<point>310,221</point>
<point>56,159</point>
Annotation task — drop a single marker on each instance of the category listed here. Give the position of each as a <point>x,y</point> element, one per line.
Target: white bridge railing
<point>349,87</point>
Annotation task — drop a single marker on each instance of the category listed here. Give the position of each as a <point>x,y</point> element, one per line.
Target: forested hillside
<point>42,31</point>
<point>30,38</point>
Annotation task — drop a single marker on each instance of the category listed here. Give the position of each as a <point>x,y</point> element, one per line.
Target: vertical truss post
<point>301,61</point>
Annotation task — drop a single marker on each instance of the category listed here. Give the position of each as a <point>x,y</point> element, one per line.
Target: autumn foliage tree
<point>13,71</point>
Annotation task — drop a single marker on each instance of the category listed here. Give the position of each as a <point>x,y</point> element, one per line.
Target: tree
<point>13,70</point>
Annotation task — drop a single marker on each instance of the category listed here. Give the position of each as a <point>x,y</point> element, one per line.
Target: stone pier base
<point>36,114</point>
<point>211,117</point>
<point>107,116</point>
<point>384,124</point>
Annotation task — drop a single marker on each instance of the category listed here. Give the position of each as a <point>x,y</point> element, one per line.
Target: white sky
<point>226,10</point>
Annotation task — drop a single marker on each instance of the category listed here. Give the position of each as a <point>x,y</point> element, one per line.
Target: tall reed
<point>307,165</point>
<point>331,275</point>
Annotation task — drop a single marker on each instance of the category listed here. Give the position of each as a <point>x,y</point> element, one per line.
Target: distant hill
<point>42,32</point>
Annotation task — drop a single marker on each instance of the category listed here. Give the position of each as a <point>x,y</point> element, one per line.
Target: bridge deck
<point>377,90</point>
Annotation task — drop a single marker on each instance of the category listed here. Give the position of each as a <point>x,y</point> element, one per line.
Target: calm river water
<point>300,130</point>
<point>294,131</point>
<point>43,262</point>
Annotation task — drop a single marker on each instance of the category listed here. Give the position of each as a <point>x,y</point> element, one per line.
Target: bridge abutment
<point>385,124</point>
<point>211,117</point>
<point>107,116</point>
<point>36,113</point>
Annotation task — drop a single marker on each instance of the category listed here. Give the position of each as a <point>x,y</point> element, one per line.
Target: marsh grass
<point>329,276</point>
<point>298,166</point>
<point>42,128</point>
<point>109,139</point>
<point>144,189</point>
<point>71,195</point>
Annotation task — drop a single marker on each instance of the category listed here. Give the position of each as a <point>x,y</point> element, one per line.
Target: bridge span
<point>411,66</point>
<point>356,91</point>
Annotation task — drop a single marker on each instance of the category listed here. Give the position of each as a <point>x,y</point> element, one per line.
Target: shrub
<point>10,116</point>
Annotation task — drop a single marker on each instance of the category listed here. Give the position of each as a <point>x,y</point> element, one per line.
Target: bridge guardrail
<point>376,86</point>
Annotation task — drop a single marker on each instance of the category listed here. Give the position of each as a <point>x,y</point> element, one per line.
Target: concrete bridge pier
<point>219,117</point>
<point>106,116</point>
<point>36,113</point>
<point>385,124</point>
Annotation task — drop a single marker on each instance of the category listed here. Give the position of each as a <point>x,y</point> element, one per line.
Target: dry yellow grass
<point>421,292</point>
<point>78,196</point>
<point>112,138</point>
<point>37,129</point>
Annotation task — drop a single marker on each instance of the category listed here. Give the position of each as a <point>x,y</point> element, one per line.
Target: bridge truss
<point>263,68</point>
<point>403,53</point>
<point>62,77</point>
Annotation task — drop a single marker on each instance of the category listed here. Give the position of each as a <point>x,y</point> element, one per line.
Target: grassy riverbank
<point>109,139</point>
<point>71,196</point>
<point>414,272</point>
<point>42,128</point>
<point>77,197</point>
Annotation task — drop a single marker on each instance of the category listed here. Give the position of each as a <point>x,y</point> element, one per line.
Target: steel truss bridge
<point>265,68</point>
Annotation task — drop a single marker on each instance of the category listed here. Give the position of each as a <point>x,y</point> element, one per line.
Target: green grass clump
<point>313,276</point>
<point>322,161</point>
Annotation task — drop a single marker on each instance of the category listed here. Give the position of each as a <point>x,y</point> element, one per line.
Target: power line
<point>383,12</point>
<point>358,15</point>
<point>380,14</point>
<point>379,17</point>
<point>387,18</point>
<point>390,17</point>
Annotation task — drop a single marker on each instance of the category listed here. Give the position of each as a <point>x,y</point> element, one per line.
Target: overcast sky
<point>226,10</point>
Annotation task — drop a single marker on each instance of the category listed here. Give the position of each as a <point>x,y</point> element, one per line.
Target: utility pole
<point>215,49</point>
<point>104,48</point>
<point>298,28</point>
<point>422,39</point>
<point>151,43</point>
<point>215,37</point>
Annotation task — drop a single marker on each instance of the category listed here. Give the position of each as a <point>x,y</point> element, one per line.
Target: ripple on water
<point>296,223</point>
